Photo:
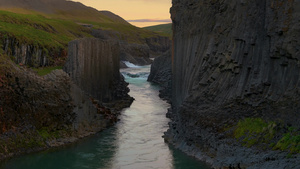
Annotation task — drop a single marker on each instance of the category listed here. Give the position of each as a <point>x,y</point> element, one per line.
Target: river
<point>133,143</point>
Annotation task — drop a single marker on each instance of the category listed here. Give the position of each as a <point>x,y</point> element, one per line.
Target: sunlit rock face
<point>93,65</point>
<point>233,59</point>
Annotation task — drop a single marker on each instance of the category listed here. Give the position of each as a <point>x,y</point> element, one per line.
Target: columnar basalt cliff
<point>32,55</point>
<point>232,60</point>
<point>161,74</point>
<point>37,113</point>
<point>93,65</point>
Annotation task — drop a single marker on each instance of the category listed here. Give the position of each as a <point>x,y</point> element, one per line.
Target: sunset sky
<point>137,12</point>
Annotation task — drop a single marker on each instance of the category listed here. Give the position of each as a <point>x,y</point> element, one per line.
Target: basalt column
<point>93,65</point>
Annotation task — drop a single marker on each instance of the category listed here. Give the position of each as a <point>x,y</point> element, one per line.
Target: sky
<point>140,13</point>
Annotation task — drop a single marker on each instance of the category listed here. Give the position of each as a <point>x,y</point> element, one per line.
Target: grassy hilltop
<point>50,24</point>
<point>165,29</point>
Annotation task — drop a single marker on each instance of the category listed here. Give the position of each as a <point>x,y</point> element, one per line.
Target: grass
<point>165,29</point>
<point>125,32</point>
<point>51,32</point>
<point>254,131</point>
<point>46,70</point>
<point>39,30</point>
<point>290,141</point>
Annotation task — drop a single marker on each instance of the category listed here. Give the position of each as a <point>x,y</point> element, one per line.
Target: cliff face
<point>32,109</point>
<point>31,55</point>
<point>93,65</point>
<point>158,45</point>
<point>136,53</point>
<point>161,74</point>
<point>37,113</point>
<point>233,59</point>
<point>236,49</point>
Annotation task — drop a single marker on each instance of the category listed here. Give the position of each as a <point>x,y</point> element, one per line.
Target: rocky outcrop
<point>233,59</point>
<point>32,55</point>
<point>136,52</point>
<point>31,108</point>
<point>161,74</point>
<point>38,113</point>
<point>158,45</point>
<point>93,65</point>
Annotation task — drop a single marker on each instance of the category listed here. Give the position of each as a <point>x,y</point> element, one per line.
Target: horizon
<point>140,13</point>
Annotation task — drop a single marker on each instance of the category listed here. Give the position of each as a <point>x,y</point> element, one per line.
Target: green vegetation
<point>165,29</point>
<point>54,32</point>
<point>46,134</point>
<point>39,30</point>
<point>46,70</point>
<point>290,141</point>
<point>19,142</point>
<point>253,131</point>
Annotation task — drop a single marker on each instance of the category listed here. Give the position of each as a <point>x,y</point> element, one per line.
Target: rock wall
<point>230,49</point>
<point>161,74</point>
<point>32,55</point>
<point>158,45</point>
<point>37,113</point>
<point>33,110</point>
<point>138,53</point>
<point>233,59</point>
<point>93,65</point>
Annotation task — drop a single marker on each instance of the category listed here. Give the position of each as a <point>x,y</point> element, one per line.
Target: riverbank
<point>216,144</point>
<point>134,142</point>
<point>39,113</point>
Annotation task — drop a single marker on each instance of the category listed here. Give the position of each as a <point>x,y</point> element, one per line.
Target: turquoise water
<point>134,143</point>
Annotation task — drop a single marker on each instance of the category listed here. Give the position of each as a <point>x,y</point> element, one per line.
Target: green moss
<point>290,142</point>
<point>44,133</point>
<point>46,70</point>
<point>25,142</point>
<point>254,130</point>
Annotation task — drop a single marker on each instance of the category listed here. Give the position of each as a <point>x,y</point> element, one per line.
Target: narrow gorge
<point>223,92</point>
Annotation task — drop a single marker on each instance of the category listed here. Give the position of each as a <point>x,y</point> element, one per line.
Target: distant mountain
<point>61,9</point>
<point>163,28</point>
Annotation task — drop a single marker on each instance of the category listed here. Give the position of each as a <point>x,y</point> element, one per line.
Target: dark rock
<point>233,59</point>
<point>158,45</point>
<point>93,65</point>
<point>32,55</point>
<point>161,74</point>
<point>138,53</point>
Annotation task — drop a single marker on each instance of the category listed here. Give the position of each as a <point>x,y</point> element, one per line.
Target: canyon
<point>232,77</point>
